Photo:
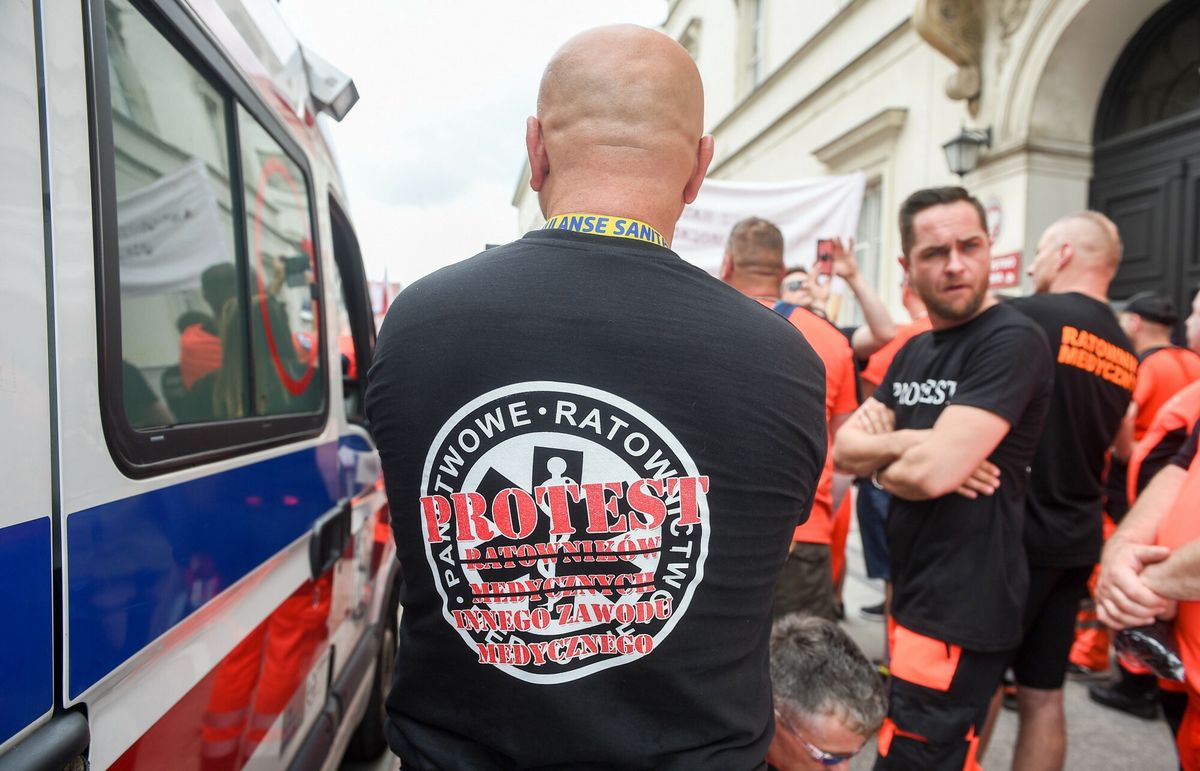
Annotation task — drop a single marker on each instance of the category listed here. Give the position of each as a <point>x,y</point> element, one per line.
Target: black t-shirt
<point>1094,375</point>
<point>959,571</point>
<point>628,628</point>
<point>1161,455</point>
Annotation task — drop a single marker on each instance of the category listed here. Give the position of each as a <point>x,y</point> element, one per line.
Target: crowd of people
<point>621,488</point>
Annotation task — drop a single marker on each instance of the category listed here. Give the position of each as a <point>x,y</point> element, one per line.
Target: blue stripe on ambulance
<point>26,605</point>
<point>140,565</point>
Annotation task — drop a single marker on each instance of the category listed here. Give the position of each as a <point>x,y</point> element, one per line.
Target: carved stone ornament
<point>955,29</point>
<point>1012,13</point>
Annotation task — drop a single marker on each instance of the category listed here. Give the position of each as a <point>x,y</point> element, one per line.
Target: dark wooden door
<point>1149,185</point>
<point>1147,155</point>
<point>1190,224</point>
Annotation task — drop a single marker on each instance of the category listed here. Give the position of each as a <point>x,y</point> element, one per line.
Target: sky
<point>432,152</point>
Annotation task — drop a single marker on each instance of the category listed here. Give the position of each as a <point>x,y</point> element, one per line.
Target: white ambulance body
<point>196,568</point>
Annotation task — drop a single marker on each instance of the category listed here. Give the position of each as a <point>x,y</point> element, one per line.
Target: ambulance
<point>196,566</point>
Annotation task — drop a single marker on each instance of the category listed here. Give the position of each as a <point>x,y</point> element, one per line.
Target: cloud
<point>411,241</point>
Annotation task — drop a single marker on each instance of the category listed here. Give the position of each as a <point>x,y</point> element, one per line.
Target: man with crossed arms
<point>950,433</point>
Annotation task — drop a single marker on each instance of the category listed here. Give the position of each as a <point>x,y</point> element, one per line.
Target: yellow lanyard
<point>606,225</point>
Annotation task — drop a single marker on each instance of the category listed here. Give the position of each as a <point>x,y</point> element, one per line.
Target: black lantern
<point>962,152</point>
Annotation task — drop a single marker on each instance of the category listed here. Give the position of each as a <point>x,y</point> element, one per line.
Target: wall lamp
<point>962,152</point>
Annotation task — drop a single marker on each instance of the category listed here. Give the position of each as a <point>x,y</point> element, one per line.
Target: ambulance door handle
<point>330,534</point>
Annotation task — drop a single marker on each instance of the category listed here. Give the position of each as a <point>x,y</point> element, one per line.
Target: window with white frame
<point>867,246</point>
<point>750,46</point>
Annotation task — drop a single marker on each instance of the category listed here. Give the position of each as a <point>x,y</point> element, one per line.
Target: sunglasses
<point>815,752</point>
<point>795,284</point>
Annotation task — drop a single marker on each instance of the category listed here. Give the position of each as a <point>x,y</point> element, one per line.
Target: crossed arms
<point>920,464</point>
<point>1139,581</point>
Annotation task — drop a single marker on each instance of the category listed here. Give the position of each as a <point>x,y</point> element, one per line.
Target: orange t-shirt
<point>1160,375</point>
<point>199,354</point>
<point>1179,413</point>
<point>877,365</point>
<point>841,397</point>
<point>1181,526</point>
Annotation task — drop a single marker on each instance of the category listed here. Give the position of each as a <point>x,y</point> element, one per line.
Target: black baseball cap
<point>1152,307</point>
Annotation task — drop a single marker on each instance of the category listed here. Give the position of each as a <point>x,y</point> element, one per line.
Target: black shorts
<point>1050,610</point>
<point>938,703</point>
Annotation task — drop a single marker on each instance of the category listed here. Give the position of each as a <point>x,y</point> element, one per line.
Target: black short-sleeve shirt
<point>595,455</point>
<point>1094,375</point>
<point>959,570</point>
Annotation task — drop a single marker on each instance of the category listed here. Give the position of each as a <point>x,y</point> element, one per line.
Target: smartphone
<point>295,268</point>
<point>825,258</point>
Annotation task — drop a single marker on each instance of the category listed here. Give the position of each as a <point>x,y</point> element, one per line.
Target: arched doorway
<point>1147,155</point>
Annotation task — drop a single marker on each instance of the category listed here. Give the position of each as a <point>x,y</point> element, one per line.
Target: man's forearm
<point>875,313</point>
<point>1178,576</point>
<point>862,454</point>
<point>913,477</point>
<point>1140,525</point>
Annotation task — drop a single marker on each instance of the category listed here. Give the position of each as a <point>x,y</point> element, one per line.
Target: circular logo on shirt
<point>566,529</point>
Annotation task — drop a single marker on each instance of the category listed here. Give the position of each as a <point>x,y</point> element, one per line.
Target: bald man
<point>595,456</point>
<point>1077,258</point>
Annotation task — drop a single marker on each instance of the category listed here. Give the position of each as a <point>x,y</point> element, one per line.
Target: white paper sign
<point>804,210</point>
<point>170,231</point>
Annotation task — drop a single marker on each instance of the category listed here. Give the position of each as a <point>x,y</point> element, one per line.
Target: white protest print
<point>929,391</point>
<point>566,529</point>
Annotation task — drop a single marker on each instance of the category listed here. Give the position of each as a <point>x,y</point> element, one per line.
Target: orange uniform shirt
<point>1178,527</point>
<point>199,354</point>
<point>1179,413</point>
<point>877,365</point>
<point>1160,375</point>
<point>840,397</point>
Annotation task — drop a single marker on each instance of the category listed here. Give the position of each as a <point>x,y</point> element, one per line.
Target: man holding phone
<point>835,257</point>
<point>753,264</point>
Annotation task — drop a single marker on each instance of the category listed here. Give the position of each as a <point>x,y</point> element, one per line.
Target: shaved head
<point>1095,238</point>
<point>620,114</point>
<point>756,246</point>
<point>1078,253</point>
<point>622,86</point>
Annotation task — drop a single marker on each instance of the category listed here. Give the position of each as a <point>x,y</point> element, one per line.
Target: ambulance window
<point>346,353</point>
<point>285,310</point>
<point>179,298</point>
<point>355,325</point>
<point>208,288</point>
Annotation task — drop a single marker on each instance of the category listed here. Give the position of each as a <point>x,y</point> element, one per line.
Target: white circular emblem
<point>566,529</point>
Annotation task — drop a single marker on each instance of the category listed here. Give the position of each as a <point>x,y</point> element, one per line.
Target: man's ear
<point>726,267</point>
<point>704,156</point>
<point>1066,253</point>
<point>535,147</point>
<point>902,261</point>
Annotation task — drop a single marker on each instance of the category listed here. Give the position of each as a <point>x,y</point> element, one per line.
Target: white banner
<point>170,231</point>
<point>804,210</point>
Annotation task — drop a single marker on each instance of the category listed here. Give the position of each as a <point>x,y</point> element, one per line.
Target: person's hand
<point>819,287</point>
<point>1122,598</point>
<point>278,274</point>
<point>844,264</point>
<point>984,480</point>
<point>875,418</point>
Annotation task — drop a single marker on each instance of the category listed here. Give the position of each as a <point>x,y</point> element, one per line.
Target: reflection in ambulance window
<point>175,226</point>
<point>285,307</point>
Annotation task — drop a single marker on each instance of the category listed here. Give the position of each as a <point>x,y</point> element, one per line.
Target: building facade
<point>1084,102</point>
